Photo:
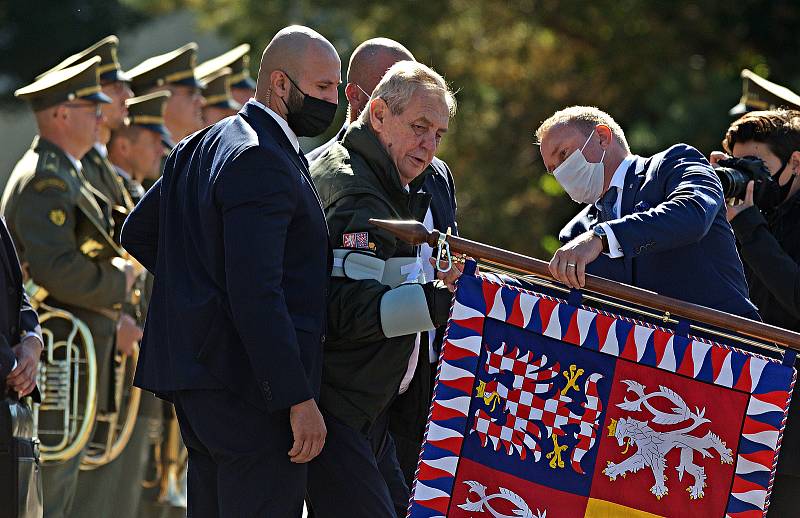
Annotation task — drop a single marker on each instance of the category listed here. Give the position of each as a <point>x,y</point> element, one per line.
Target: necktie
<point>607,204</point>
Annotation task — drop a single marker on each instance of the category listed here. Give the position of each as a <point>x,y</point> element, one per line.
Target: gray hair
<point>584,119</point>
<point>401,82</point>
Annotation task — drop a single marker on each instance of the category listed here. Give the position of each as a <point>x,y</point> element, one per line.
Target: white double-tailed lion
<point>652,446</point>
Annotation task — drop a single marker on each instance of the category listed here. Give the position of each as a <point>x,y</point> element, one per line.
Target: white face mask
<point>582,180</point>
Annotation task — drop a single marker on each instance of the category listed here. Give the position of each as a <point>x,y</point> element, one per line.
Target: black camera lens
<point>734,182</point>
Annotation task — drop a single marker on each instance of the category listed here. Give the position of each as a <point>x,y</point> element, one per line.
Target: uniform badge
<point>356,240</point>
<point>91,248</point>
<point>57,217</point>
<point>50,183</point>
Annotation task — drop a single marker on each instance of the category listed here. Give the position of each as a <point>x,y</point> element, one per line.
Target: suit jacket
<point>17,317</point>
<point>673,233</point>
<point>236,238</point>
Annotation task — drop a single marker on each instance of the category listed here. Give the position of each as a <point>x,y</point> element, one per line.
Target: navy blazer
<point>237,241</point>
<point>673,233</point>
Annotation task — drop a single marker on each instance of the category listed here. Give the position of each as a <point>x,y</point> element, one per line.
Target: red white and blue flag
<point>544,409</point>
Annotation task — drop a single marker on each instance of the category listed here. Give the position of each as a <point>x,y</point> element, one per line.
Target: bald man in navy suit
<point>236,238</point>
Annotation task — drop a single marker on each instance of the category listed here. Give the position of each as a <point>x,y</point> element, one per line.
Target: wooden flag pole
<point>415,233</point>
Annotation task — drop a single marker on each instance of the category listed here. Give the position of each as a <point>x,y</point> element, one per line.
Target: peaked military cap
<point>218,91</point>
<point>147,111</point>
<point>68,84</point>
<point>176,67</point>
<point>761,94</point>
<point>109,68</point>
<point>238,59</point>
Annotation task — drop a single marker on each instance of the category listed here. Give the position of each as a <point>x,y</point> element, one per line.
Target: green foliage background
<point>668,71</point>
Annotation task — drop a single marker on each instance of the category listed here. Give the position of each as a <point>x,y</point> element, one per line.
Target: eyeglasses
<point>98,108</point>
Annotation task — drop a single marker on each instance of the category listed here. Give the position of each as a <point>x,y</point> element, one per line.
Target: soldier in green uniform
<point>173,72</point>
<point>96,495</point>
<point>137,148</point>
<point>63,227</point>
<point>243,87</point>
<point>217,92</point>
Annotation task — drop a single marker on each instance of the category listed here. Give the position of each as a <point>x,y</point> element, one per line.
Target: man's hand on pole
<point>568,264</point>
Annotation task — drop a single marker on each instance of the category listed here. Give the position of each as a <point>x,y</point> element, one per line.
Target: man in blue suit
<point>657,223</point>
<point>237,241</point>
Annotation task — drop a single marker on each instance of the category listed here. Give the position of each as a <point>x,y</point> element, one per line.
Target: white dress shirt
<point>618,181</point>
<point>282,123</point>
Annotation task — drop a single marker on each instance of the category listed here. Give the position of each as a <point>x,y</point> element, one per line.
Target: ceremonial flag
<point>546,409</point>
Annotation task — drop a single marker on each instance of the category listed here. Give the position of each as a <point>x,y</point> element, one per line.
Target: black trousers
<point>357,474</point>
<point>238,458</point>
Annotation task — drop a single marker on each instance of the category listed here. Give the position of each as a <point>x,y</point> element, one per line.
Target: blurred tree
<point>38,34</point>
<point>668,71</point>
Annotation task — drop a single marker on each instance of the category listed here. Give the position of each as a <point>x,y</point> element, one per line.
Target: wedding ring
<point>571,265</point>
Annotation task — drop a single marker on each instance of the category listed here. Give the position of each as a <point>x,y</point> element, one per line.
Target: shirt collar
<point>102,149</point>
<point>618,180</point>
<point>282,123</point>
<point>75,163</point>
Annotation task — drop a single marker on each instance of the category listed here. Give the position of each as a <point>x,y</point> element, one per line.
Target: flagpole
<point>415,233</point>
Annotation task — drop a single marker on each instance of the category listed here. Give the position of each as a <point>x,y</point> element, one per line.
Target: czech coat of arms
<point>652,447</point>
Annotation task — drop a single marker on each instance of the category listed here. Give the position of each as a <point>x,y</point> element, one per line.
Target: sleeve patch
<point>359,240</point>
<point>50,183</point>
<point>57,217</point>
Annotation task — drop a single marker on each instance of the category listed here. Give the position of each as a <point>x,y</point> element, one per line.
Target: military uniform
<point>63,228</point>
<point>172,68</point>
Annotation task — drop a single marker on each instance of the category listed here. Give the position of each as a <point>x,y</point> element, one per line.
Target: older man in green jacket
<point>379,299</point>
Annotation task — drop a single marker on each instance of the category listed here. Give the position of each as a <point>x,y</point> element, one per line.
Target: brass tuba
<point>169,459</point>
<point>67,381</point>
<point>113,429</point>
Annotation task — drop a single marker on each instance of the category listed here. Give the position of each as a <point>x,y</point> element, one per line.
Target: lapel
<point>630,192</point>
<point>265,126</point>
<point>633,180</point>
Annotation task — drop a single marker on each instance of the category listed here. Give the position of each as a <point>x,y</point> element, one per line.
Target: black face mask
<point>312,117</point>
<point>772,194</point>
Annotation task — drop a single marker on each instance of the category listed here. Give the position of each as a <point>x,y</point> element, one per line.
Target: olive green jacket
<point>62,229</point>
<point>362,369</point>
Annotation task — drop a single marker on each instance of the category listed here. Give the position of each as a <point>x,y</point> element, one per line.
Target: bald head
<point>372,59</point>
<point>302,55</point>
<point>368,63</point>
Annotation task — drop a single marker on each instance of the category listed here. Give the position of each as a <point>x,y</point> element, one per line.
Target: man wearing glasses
<point>62,229</point>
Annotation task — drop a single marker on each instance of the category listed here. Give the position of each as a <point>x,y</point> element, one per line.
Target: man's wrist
<point>600,233</point>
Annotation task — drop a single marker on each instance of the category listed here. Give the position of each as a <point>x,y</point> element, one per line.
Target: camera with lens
<point>735,173</point>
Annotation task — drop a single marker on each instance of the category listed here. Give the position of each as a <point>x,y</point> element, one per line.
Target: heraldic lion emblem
<point>652,447</point>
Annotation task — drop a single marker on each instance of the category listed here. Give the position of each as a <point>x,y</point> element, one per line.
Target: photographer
<point>766,221</point>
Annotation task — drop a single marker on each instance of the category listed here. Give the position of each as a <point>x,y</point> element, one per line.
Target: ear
<point>794,163</point>
<point>378,109</point>
<point>605,134</point>
<point>279,82</point>
<point>351,92</point>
